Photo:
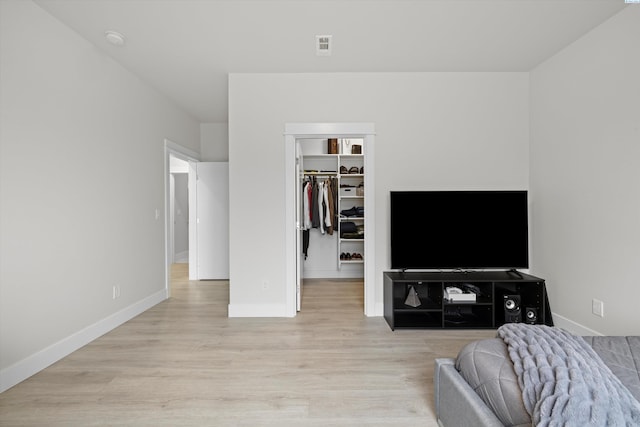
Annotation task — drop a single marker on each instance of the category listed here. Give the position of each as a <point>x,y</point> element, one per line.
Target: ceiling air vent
<point>323,45</point>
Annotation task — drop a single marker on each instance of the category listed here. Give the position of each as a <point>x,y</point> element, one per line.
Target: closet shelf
<point>328,173</point>
<point>321,156</point>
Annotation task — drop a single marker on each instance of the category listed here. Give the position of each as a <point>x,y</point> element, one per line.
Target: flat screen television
<point>459,230</point>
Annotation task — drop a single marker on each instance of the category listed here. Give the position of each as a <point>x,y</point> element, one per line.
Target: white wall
<point>214,142</point>
<point>72,230</point>
<point>585,180</point>
<point>433,131</point>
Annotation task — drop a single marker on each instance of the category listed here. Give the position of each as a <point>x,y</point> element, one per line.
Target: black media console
<point>500,297</point>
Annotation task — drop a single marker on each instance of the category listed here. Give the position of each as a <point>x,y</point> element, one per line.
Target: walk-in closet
<point>332,207</point>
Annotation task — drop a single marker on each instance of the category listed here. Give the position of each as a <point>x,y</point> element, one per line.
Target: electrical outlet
<point>265,285</point>
<point>597,307</point>
<point>116,291</point>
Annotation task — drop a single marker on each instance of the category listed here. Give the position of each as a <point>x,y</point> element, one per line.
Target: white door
<point>299,224</point>
<point>209,220</point>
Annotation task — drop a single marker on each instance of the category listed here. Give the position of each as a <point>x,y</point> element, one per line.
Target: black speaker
<point>512,311</point>
<point>531,315</point>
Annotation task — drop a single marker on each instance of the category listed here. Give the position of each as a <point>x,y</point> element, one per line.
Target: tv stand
<point>488,310</point>
<point>515,272</point>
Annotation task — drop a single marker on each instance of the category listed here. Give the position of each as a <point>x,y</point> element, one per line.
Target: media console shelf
<point>492,288</point>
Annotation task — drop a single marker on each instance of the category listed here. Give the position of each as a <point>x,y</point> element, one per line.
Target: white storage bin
<point>347,191</point>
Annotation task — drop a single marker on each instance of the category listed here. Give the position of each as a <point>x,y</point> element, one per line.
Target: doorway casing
<point>293,132</point>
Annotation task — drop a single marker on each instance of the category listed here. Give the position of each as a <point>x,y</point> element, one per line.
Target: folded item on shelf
<point>354,211</point>
<point>358,233</point>
<point>351,236</point>
<point>348,227</point>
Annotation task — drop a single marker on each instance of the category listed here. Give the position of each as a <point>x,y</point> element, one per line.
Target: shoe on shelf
<point>354,170</point>
<point>343,170</point>
<point>349,212</point>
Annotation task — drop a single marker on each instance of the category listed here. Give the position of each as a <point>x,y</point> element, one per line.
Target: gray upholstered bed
<point>481,388</point>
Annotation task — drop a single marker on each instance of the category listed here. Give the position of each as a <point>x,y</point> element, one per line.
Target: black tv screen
<point>459,230</point>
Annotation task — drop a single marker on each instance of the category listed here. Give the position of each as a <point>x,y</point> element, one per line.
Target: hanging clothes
<point>309,198</point>
<point>315,213</point>
<point>321,207</point>
<point>305,243</point>
<point>332,197</point>
<point>328,206</point>
<point>306,217</point>
<point>306,205</point>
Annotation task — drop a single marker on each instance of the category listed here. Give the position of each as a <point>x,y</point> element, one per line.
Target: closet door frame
<point>295,131</point>
<point>183,153</point>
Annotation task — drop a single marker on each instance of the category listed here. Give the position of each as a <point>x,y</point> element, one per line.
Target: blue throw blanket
<point>564,382</point>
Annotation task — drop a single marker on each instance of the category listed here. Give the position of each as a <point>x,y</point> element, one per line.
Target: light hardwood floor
<point>184,362</point>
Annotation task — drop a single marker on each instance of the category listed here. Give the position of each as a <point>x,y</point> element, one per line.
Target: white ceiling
<point>187,48</point>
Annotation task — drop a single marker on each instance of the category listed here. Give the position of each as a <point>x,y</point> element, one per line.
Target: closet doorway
<point>349,251</point>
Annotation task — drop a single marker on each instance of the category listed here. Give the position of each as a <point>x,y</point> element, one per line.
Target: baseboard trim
<point>573,327</point>
<point>258,310</point>
<point>35,363</point>
<point>333,274</point>
<point>378,310</point>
